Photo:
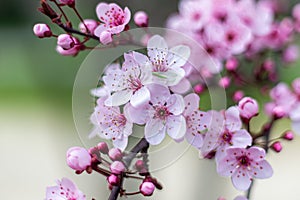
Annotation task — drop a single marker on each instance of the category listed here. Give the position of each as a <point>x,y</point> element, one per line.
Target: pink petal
<point>226,167</point>
<point>101,9</point>
<point>210,143</point>
<point>241,179</point>
<point>182,87</point>
<point>127,15</point>
<point>191,102</point>
<point>155,131</point>
<point>262,170</point>
<point>296,126</point>
<point>241,138</point>
<point>137,115</point>
<point>140,97</point>
<point>175,104</point>
<point>256,153</point>
<point>232,119</point>
<point>159,94</point>
<point>176,127</point>
<point>141,59</point>
<point>194,139</point>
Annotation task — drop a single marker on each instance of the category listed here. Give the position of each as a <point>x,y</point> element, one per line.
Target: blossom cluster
<point>229,28</point>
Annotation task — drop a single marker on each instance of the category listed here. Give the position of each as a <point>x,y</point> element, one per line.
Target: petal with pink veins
<point>176,127</point>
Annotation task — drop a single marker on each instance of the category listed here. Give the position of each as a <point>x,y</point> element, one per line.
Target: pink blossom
<point>78,158</point>
<point>113,179</point>
<point>162,115</point>
<point>248,107</point>
<point>70,52</point>
<point>232,64</point>
<point>115,154</point>
<point>288,135</point>
<point>103,147</point>
<point>296,12</point>
<point>276,146</point>
<point>243,165</point>
<point>64,190</point>
<point>291,54</point>
<point>225,131</point>
<point>166,63</point>
<point>117,167</point>
<point>129,83</point>
<point>42,30</point>
<point>105,37</point>
<point>197,122</point>
<point>224,82</point>
<point>238,95</point>
<point>147,188</point>
<point>296,86</point>
<point>110,123</point>
<point>113,18</point>
<point>199,88</point>
<point>65,41</point>
<point>141,19</point>
<point>90,24</point>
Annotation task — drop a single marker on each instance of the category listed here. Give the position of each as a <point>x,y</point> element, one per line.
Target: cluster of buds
<point>112,20</point>
<point>114,168</point>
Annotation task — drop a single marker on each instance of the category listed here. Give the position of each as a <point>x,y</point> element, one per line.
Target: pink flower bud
<point>288,135</point>
<point>115,154</point>
<point>42,30</point>
<point>103,148</point>
<point>296,12</point>
<point>232,64</point>
<point>276,146</point>
<point>117,167</point>
<point>105,37</point>
<point>78,158</point>
<point>278,112</point>
<point>70,52</point>
<point>65,41</point>
<point>139,165</point>
<point>199,88</point>
<point>224,82</point>
<point>248,107</point>
<point>238,95</point>
<point>91,25</point>
<point>291,54</point>
<point>141,19</point>
<point>296,86</point>
<point>67,2</point>
<point>268,65</point>
<point>147,188</point>
<point>113,180</point>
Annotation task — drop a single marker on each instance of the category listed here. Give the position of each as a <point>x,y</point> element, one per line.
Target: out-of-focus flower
<point>291,54</point>
<point>64,190</point>
<point>243,165</point>
<point>141,19</point>
<point>78,158</point>
<point>90,24</point>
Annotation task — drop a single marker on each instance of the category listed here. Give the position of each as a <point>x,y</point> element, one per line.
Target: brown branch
<point>142,144</point>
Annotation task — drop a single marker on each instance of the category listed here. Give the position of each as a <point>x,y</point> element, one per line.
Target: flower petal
<point>232,119</point>
<point>118,98</point>
<point>241,138</point>
<point>155,131</point>
<point>178,56</point>
<point>191,103</point>
<point>241,179</point>
<point>176,127</point>
<point>262,170</point>
<point>159,94</point>
<point>157,48</point>
<point>140,97</point>
<point>175,104</point>
<point>137,115</point>
<point>182,87</point>
<point>121,143</point>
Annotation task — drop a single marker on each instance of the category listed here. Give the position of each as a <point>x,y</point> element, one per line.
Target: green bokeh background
<point>36,123</point>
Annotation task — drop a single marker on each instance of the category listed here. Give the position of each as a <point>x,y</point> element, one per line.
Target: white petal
<point>159,93</point>
<point>241,179</point>
<point>178,56</point>
<point>121,143</point>
<point>118,98</point>
<point>140,97</point>
<point>232,119</point>
<point>176,127</point>
<point>191,103</point>
<point>241,138</point>
<point>157,48</point>
<point>155,131</point>
<point>175,104</point>
<point>137,115</point>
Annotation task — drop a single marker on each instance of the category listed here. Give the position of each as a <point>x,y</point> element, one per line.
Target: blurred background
<point>36,122</point>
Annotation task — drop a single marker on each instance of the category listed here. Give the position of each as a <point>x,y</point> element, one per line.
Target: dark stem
<point>266,134</point>
<point>142,144</point>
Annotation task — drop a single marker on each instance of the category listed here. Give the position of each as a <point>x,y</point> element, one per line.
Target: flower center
<point>159,66</point>
<point>119,120</point>
<point>227,136</point>
<point>135,84</point>
<point>161,113</point>
<point>244,161</point>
